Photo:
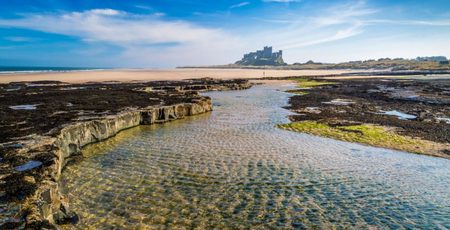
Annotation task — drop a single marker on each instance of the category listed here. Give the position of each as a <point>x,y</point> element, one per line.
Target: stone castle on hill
<point>263,57</point>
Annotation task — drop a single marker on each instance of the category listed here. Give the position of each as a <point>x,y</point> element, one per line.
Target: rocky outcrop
<point>35,108</point>
<point>74,137</point>
<point>44,205</point>
<point>45,125</point>
<point>198,87</point>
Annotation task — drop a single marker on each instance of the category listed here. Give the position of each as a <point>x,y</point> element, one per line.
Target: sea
<point>43,69</point>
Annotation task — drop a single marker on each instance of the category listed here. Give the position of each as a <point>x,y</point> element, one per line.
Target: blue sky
<point>168,33</point>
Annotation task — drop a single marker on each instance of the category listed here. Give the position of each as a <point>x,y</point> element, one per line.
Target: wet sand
<point>157,75</point>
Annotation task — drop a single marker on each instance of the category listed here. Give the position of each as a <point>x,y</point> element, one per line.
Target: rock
<point>424,114</point>
<point>12,223</point>
<point>19,186</point>
<point>62,217</point>
<point>29,179</point>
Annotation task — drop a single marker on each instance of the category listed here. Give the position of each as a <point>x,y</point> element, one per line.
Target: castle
<point>262,57</point>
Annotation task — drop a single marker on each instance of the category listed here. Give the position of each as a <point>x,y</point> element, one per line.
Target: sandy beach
<point>154,75</point>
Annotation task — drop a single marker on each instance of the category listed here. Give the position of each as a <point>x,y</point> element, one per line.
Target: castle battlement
<point>262,57</point>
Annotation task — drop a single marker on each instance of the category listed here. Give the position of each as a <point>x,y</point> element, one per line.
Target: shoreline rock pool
<point>233,168</point>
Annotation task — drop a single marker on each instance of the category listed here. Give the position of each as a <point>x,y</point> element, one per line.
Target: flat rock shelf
<point>40,140</point>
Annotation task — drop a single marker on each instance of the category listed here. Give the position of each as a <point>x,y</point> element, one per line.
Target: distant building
<point>432,58</point>
<point>262,57</point>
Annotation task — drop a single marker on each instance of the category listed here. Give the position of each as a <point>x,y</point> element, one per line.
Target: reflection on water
<point>234,169</point>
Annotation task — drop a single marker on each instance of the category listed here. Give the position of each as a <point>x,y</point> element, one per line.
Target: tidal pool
<point>233,168</point>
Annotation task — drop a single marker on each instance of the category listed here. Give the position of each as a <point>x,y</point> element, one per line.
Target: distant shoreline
<point>382,64</point>
<point>45,69</point>
<point>129,75</point>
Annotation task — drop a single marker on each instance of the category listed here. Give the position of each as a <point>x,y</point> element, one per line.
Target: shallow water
<point>24,107</point>
<point>233,168</point>
<point>445,119</point>
<point>400,115</point>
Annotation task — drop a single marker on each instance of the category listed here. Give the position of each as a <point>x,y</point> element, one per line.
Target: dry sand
<point>153,75</point>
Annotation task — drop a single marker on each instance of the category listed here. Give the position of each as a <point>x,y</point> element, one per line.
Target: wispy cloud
<point>351,13</point>
<point>304,34</point>
<point>332,36</point>
<point>144,7</point>
<point>335,23</point>
<point>282,1</point>
<point>18,39</point>
<point>340,21</point>
<point>410,22</point>
<point>239,5</point>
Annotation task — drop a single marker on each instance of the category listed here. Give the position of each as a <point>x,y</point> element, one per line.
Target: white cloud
<point>239,5</point>
<point>145,39</point>
<point>109,12</point>
<point>153,40</point>
<point>136,33</point>
<point>117,27</point>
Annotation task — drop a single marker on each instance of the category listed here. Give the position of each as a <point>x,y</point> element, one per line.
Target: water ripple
<point>234,169</point>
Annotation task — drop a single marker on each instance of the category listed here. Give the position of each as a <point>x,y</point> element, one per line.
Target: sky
<point>170,33</point>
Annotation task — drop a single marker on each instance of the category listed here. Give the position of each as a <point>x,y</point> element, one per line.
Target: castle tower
<point>267,52</point>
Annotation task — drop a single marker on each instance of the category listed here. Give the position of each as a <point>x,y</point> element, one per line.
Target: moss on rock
<point>369,134</point>
<point>308,83</point>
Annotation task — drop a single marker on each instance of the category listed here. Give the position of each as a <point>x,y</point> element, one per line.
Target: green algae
<point>297,92</point>
<point>307,83</point>
<point>369,134</point>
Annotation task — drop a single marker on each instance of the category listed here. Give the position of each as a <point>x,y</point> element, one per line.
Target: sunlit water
<point>233,168</point>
